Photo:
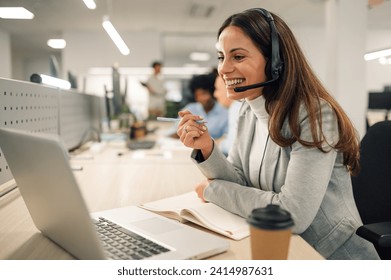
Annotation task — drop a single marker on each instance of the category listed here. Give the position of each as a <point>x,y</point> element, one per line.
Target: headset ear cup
<point>276,73</point>
<point>268,69</point>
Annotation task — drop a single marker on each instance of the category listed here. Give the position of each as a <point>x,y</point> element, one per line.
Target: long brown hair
<point>297,86</point>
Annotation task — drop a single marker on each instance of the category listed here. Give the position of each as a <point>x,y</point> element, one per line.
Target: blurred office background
<point>334,34</point>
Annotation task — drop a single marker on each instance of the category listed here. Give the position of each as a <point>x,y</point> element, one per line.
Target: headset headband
<point>276,63</point>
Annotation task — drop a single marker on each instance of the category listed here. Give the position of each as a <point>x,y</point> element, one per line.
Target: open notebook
<point>41,169</point>
<point>189,208</point>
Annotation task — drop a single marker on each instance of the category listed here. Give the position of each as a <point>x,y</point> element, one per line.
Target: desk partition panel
<point>80,118</point>
<point>36,108</point>
<point>28,106</point>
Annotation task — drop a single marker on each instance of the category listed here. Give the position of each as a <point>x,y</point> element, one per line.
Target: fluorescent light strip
<point>377,54</point>
<point>90,4</point>
<point>182,71</point>
<point>51,81</point>
<point>200,56</point>
<point>15,13</point>
<point>385,60</point>
<point>114,35</point>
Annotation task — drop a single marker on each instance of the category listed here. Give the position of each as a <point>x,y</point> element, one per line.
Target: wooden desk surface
<point>109,180</point>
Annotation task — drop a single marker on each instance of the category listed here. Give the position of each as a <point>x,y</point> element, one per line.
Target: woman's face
<point>240,63</point>
<point>204,97</point>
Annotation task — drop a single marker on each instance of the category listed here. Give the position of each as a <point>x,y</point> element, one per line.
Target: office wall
<point>312,43</point>
<point>378,75</point>
<point>17,65</point>
<point>38,65</point>
<point>5,55</point>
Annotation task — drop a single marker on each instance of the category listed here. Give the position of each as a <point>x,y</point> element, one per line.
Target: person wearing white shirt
<point>157,92</point>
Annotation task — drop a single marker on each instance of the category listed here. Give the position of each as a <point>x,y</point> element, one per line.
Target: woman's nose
<point>225,67</point>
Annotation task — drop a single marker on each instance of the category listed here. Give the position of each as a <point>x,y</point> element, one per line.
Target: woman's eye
<point>220,58</point>
<point>238,57</point>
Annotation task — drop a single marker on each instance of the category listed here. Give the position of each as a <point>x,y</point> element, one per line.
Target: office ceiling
<point>181,22</point>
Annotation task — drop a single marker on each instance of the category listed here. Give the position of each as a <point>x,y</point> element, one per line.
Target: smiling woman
<point>288,148</point>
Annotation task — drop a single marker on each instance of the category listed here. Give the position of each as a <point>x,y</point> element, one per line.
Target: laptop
<point>40,166</point>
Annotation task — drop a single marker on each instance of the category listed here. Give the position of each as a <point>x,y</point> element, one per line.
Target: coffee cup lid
<point>271,217</point>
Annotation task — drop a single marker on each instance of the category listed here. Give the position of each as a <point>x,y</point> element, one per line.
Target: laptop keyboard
<point>120,243</point>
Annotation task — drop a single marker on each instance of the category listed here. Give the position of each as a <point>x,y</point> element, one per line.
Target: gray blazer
<point>315,187</point>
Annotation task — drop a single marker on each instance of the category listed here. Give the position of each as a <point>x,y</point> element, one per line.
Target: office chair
<point>372,188</point>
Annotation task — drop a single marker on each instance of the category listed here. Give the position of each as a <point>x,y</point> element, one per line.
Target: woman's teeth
<point>234,82</point>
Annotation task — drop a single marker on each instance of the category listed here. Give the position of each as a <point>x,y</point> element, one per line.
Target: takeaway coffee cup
<point>270,233</point>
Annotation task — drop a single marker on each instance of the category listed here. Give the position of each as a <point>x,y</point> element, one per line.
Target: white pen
<point>163,119</point>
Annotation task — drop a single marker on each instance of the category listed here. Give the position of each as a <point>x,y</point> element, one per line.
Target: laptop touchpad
<point>156,226</point>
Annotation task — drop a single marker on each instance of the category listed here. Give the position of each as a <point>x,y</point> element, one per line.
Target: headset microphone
<point>276,64</point>
<point>244,88</point>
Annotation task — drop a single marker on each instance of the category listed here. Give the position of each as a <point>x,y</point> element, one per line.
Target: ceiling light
<point>114,35</point>
<point>385,60</point>
<point>90,4</point>
<point>191,65</point>
<point>166,71</point>
<point>15,13</point>
<point>200,56</point>
<point>57,43</point>
<point>377,54</point>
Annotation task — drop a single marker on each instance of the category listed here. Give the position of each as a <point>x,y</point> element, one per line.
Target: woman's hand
<point>200,189</point>
<point>194,135</point>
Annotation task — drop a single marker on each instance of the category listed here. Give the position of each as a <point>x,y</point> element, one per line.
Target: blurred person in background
<point>204,104</point>
<point>233,107</point>
<point>157,92</point>
<point>203,87</point>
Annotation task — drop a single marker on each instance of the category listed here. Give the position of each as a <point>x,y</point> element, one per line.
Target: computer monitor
<point>379,100</point>
<point>114,100</point>
<point>54,67</point>
<point>117,97</point>
<point>72,79</point>
<point>387,88</point>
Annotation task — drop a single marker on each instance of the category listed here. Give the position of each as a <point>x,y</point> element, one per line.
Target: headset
<point>276,64</point>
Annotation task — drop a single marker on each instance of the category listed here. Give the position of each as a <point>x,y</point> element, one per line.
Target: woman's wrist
<point>207,151</point>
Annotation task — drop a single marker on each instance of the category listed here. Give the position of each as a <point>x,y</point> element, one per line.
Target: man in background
<point>157,92</point>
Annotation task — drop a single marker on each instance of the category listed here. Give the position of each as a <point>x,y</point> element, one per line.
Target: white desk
<point>110,180</point>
